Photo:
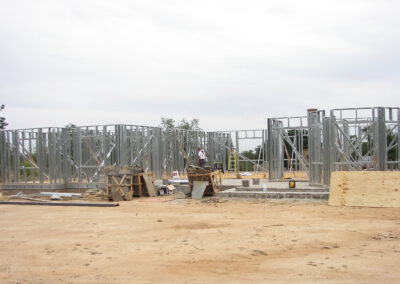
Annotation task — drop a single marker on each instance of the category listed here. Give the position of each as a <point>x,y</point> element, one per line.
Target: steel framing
<point>362,139</point>
<point>286,143</point>
<point>51,158</point>
<point>349,139</point>
<point>234,139</point>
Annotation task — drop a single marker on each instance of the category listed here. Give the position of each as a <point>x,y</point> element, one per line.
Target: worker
<point>202,157</point>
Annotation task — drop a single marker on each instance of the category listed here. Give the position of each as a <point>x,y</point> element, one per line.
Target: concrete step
<point>231,193</point>
<point>269,189</point>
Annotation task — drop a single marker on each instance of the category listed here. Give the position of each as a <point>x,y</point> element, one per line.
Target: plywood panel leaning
<point>369,189</point>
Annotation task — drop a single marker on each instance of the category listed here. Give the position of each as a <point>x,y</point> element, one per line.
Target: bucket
<point>175,175</point>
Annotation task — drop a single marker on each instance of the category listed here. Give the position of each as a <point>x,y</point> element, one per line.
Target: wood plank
<point>367,188</point>
<point>148,180</point>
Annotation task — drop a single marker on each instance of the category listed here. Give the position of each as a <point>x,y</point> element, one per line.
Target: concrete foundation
<point>232,193</point>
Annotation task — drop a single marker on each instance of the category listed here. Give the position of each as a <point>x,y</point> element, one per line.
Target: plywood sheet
<point>370,189</point>
<point>149,185</point>
<point>198,189</point>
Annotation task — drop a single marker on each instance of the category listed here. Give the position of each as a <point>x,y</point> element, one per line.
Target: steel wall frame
<point>233,142</point>
<point>361,139</point>
<point>315,145</point>
<point>74,157</point>
<point>284,133</point>
<point>32,156</point>
<point>350,139</point>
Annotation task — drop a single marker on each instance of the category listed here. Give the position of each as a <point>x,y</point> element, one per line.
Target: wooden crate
<point>213,179</point>
<point>119,187</point>
<point>126,186</point>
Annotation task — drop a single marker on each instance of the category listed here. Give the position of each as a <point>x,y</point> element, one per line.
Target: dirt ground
<point>160,240</point>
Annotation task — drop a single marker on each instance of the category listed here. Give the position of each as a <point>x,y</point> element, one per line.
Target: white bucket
<point>175,175</point>
<point>264,188</point>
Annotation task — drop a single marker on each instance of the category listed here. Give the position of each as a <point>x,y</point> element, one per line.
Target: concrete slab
<point>284,184</point>
<point>178,181</point>
<point>260,189</point>
<point>232,193</point>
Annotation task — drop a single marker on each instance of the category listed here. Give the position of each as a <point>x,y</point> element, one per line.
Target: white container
<point>175,175</point>
<point>264,188</point>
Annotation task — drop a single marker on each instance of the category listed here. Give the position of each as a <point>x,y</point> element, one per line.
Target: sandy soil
<point>214,241</point>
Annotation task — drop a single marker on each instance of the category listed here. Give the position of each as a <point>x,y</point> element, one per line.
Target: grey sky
<point>229,63</point>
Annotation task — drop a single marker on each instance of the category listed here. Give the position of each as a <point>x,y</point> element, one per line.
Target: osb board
<point>369,189</point>
<point>150,186</point>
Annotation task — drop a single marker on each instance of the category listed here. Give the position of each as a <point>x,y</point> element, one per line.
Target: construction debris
<point>165,189</point>
<point>20,195</point>
<point>61,194</point>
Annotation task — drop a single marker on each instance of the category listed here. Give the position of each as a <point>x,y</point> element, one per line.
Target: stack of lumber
<point>367,188</point>
<point>124,183</point>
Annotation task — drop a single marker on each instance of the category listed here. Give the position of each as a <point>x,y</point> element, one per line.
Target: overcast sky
<point>228,63</point>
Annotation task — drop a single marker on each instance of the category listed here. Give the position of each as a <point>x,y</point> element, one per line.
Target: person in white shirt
<point>202,157</point>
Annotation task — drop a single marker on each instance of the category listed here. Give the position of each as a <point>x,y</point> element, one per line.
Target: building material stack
<point>124,183</point>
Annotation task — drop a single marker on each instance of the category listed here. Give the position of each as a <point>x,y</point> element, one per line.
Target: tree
<point>189,125</point>
<point>71,128</point>
<point>169,124</point>
<point>3,122</point>
<point>186,139</point>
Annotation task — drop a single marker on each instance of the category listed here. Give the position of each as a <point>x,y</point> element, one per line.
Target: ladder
<point>232,162</point>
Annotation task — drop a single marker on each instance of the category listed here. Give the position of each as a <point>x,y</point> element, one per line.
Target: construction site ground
<point>175,240</point>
